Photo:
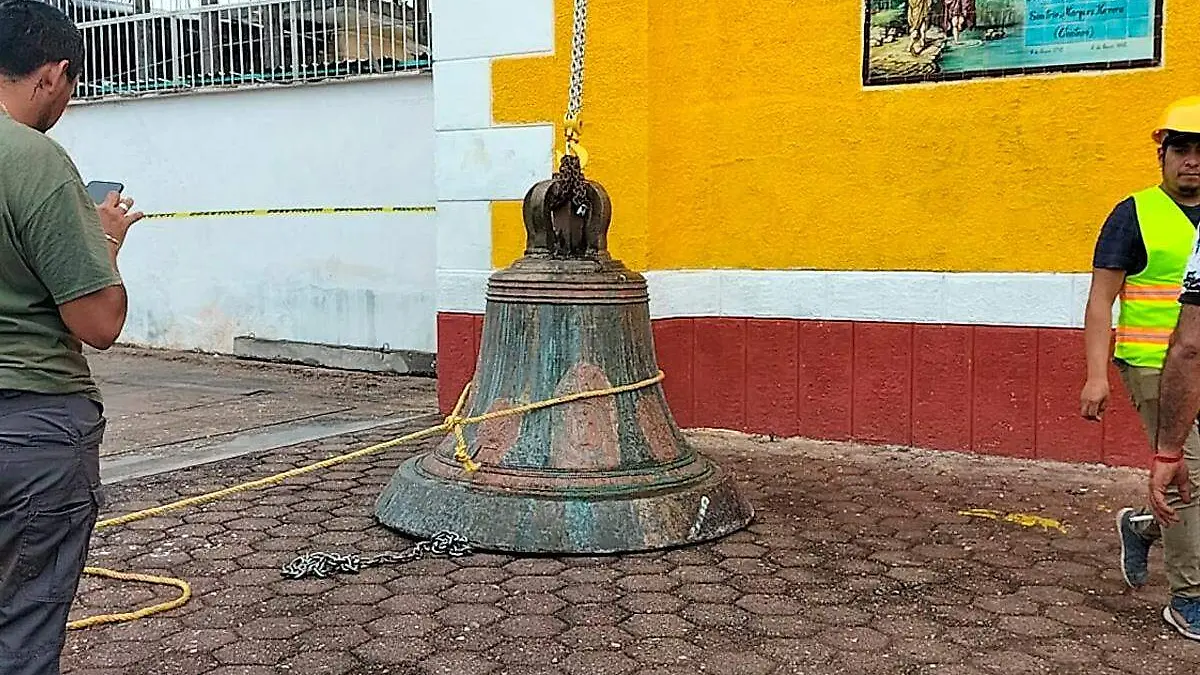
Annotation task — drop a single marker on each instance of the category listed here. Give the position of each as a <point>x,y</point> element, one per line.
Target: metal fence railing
<point>147,46</point>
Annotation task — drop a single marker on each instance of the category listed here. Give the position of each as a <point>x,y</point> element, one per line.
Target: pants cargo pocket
<point>54,547</point>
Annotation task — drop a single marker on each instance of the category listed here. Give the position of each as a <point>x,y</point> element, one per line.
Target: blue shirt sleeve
<point>1120,245</point>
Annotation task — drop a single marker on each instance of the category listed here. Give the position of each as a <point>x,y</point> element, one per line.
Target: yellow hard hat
<point>1182,116</point>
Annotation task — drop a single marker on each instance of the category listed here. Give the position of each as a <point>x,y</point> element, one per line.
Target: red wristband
<point>1168,459</point>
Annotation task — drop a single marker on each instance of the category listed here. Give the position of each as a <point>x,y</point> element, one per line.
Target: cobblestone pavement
<point>857,562</point>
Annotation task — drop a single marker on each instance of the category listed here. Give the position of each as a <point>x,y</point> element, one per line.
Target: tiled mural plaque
<point>936,40</point>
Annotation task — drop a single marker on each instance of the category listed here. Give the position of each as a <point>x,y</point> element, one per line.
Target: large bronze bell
<point>602,475</point>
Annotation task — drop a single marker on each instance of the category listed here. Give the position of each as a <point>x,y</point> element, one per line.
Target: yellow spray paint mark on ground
<point>1022,519</point>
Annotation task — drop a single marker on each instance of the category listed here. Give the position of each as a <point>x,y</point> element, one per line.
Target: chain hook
<point>573,132</point>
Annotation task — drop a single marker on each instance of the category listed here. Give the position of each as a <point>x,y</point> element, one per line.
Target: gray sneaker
<point>1184,616</point>
<point>1135,551</point>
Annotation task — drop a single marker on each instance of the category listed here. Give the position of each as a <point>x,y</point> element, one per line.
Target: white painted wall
<point>355,280</point>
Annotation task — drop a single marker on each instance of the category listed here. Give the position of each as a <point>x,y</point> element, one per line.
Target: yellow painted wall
<point>743,138</point>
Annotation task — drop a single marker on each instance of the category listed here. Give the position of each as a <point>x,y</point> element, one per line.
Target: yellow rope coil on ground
<point>454,423</point>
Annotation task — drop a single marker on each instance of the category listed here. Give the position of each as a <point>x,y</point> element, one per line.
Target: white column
<point>477,161</point>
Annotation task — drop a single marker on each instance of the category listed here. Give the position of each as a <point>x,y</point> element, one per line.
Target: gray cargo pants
<point>49,499</point>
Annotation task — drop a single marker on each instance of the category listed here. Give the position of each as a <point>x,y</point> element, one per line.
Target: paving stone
<point>239,670</point>
<point>651,603</point>
<point>713,615</point>
<point>926,650</point>
<point>535,567</point>
<point>412,603</point>
<point>595,637</point>
<point>710,593</point>
<point>256,652</point>
<point>337,638</point>
<point>770,604</point>
<point>534,651</point>
<point>468,614</point>
<point>473,593</point>
<point>748,566</point>
<point>651,652</point>
<point>738,663</point>
<point>735,550</point>
<point>651,583</point>
<point>577,594</point>
<point>657,625</point>
<point>1066,652</point>
<point>322,663</point>
<point>116,655</point>
<point>1008,604</point>
<point>590,575</point>
<point>855,639</point>
<point>761,585</point>
<point>480,575</point>
<point>785,626</point>
<point>274,628</point>
<point>1011,663</point>
<point>829,580</point>
<point>394,650</point>
<point>458,663</point>
<point>536,603</point>
<point>192,640</point>
<point>644,565</point>
<point>1032,626</point>
<point>1080,616</point>
<point>801,652</point>
<point>531,626</point>
<point>598,663</point>
<point>402,625</point>
<point>530,584</point>
<point>358,594</point>
<point>699,574</point>
<point>592,614</point>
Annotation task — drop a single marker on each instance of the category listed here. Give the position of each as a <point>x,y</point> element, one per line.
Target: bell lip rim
<point>712,472</point>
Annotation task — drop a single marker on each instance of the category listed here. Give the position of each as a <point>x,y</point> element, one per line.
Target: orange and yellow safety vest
<point>1149,306</point>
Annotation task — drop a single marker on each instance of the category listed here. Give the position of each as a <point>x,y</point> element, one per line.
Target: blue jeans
<point>49,500</point>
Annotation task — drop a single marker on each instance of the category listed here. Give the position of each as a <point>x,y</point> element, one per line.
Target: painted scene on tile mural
<point>932,40</point>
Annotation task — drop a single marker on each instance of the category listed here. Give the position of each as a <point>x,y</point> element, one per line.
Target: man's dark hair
<point>33,34</point>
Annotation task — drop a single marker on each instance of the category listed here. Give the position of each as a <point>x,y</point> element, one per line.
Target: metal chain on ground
<point>323,565</point>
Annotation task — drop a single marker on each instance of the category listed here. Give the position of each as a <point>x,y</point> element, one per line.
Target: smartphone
<point>98,189</point>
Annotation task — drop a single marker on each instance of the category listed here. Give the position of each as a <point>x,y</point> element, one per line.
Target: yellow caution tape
<point>1022,519</point>
<point>321,211</point>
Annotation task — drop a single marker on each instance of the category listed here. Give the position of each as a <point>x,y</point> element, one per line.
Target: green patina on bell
<point>600,475</point>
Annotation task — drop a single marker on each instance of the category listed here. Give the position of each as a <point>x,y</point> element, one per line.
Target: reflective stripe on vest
<point>1150,299</point>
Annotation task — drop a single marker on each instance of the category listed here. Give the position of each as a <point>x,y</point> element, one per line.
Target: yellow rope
<point>454,423</point>
<point>184,595</point>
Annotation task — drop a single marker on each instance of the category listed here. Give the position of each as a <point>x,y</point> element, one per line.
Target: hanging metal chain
<point>570,180</point>
<point>578,52</point>
<point>323,565</point>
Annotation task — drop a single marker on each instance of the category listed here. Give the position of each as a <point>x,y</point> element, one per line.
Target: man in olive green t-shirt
<point>59,289</point>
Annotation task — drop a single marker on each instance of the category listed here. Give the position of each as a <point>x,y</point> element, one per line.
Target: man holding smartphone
<point>59,288</point>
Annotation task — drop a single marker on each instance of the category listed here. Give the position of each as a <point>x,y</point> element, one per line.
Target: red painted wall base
<point>992,390</point>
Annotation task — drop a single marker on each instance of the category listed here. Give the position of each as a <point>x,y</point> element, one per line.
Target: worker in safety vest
<point>1140,256</point>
